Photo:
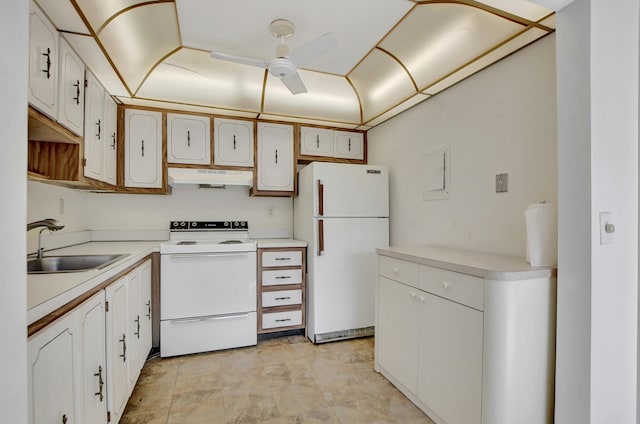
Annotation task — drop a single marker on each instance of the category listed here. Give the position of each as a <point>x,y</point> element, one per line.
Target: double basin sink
<point>70,263</point>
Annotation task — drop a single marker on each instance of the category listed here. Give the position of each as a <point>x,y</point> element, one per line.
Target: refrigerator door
<point>346,190</point>
<point>342,273</point>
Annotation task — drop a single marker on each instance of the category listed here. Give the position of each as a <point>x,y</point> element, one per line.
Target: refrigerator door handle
<point>320,198</point>
<point>320,237</point>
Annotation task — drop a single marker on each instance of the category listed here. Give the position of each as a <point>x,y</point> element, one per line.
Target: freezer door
<point>342,275</point>
<point>346,190</point>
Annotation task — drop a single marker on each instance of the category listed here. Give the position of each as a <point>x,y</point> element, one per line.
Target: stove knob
<point>174,224</point>
<point>194,224</point>
<point>226,223</point>
<point>183,224</point>
<point>236,224</point>
<point>243,223</point>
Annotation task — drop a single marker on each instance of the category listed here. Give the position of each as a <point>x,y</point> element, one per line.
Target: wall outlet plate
<point>502,183</point>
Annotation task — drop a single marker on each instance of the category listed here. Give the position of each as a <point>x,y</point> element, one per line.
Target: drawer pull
<point>445,284</point>
<point>283,298</point>
<point>283,320</point>
<point>282,277</point>
<point>283,259</point>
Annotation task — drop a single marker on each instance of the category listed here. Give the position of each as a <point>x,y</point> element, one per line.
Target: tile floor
<point>283,380</point>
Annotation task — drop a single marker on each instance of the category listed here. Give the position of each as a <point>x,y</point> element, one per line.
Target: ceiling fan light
<point>281,68</point>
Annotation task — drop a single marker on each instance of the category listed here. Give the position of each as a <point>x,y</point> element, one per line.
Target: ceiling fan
<point>285,65</point>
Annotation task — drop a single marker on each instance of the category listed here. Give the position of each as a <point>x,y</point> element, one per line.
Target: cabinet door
<point>396,332</point>
<point>110,147</point>
<point>275,157</point>
<point>70,89</point>
<point>143,149</point>
<point>94,134</point>
<point>43,63</point>
<point>348,145</point>
<point>118,356</point>
<point>450,366</point>
<point>145,312</point>
<point>93,390</point>
<point>233,142</point>
<point>316,141</point>
<point>134,323</point>
<point>188,139</point>
<point>53,377</point>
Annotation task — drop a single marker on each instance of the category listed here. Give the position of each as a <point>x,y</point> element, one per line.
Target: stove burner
<point>186,242</point>
<point>231,242</point>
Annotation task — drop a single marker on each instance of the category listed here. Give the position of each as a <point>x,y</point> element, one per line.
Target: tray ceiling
<point>390,56</point>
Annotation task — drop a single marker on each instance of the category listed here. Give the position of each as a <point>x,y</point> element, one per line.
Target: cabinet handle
<point>349,144</point>
<point>283,259</point>
<point>283,320</point>
<point>124,348</point>
<point>137,321</point>
<point>282,277</point>
<point>48,70</point>
<point>64,418</point>
<point>100,383</point>
<point>142,149</point>
<point>317,141</point>
<point>113,141</point>
<point>276,156</point>
<point>283,298</point>
<point>149,309</point>
<point>188,138</point>
<point>234,143</point>
<point>99,124</point>
<point>77,86</point>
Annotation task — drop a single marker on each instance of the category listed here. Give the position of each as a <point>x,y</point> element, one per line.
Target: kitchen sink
<point>71,263</point>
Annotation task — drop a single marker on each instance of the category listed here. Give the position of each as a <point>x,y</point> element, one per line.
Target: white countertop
<point>483,265</point>
<point>276,242</point>
<point>48,292</point>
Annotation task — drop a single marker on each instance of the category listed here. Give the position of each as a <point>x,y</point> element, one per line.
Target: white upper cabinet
<point>188,139</point>
<point>143,148</point>
<point>110,110</point>
<point>43,63</point>
<point>233,142</point>
<point>275,158</point>
<point>348,145</point>
<point>70,89</point>
<point>94,134</point>
<point>316,141</point>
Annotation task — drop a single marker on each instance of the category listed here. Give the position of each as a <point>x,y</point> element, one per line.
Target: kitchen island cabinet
<point>456,331</point>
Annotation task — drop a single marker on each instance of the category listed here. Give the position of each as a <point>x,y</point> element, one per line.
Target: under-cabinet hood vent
<point>216,178</point>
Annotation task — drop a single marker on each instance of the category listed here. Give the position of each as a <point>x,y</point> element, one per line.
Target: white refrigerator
<point>342,212</point>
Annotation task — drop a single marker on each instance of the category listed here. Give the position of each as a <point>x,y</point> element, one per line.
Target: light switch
<point>607,228</point>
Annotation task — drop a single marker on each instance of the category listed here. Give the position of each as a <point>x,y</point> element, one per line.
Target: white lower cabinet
<point>117,355</point>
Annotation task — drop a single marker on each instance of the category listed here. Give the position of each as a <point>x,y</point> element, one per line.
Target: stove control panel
<point>208,226</point>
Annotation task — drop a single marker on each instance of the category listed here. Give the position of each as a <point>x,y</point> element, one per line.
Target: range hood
<point>216,178</point>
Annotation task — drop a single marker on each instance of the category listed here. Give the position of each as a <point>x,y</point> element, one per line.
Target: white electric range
<point>208,287</point>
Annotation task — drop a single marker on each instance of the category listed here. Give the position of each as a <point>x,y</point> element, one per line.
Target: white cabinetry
<point>458,344</point>
<point>316,141</point>
<point>139,318</point>
<point>53,373</point>
<point>348,145</point>
<point>321,142</point>
<point>70,89</point>
<point>233,142</point>
<point>143,148</point>
<point>188,139</point>
<point>275,171</point>
<point>43,63</point>
<point>116,343</point>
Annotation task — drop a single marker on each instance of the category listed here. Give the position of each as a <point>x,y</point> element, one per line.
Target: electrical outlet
<point>502,183</point>
<point>270,211</point>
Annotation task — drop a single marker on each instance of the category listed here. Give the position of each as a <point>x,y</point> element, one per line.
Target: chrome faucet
<point>48,224</point>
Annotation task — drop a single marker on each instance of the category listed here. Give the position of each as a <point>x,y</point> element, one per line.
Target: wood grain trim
<point>40,324</point>
<point>43,128</point>
<point>399,62</point>
<point>126,9</point>
<point>320,237</point>
<point>320,198</point>
<point>155,298</point>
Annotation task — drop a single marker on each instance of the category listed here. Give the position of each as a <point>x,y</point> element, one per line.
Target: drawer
<point>399,270</point>
<point>281,319</point>
<point>276,277</point>
<point>461,288</point>
<point>281,298</point>
<point>282,258</point>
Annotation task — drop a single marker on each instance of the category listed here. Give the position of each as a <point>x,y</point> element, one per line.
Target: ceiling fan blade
<point>240,59</point>
<point>305,54</point>
<point>294,83</point>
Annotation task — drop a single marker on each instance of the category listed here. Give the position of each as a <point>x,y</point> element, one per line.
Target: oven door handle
<point>202,319</point>
<point>206,255</point>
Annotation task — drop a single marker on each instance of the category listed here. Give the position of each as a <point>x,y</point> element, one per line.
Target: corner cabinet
<point>281,289</point>
<point>275,173</point>
<point>143,166</point>
<point>188,139</point>
<point>456,344</point>
<point>233,142</point>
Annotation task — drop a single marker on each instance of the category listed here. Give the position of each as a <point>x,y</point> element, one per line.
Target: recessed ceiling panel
<point>94,59</point>
<point>139,38</point>
<point>398,109</point>
<point>320,122</point>
<point>192,76</point>
<point>241,27</point>
<point>63,15</point>
<point>522,8</point>
<point>510,47</point>
<point>329,98</point>
<point>438,38</point>
<point>380,82</point>
<point>98,12</point>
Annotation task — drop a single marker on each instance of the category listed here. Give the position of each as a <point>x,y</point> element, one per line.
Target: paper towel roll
<point>542,234</point>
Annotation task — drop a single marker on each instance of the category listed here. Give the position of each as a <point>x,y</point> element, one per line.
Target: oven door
<point>206,284</point>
